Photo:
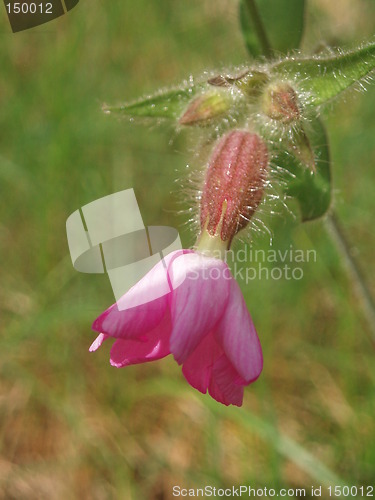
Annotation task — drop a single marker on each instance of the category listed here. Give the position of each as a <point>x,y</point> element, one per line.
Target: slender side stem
<point>344,248</point>
<point>259,28</point>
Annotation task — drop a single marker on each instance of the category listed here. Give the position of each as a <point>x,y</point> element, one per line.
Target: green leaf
<point>165,104</point>
<point>311,190</point>
<point>271,25</point>
<point>324,78</point>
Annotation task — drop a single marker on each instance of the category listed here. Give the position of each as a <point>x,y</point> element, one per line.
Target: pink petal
<point>237,335</point>
<point>226,385</point>
<point>98,342</point>
<point>207,368</point>
<point>199,301</point>
<point>131,323</point>
<point>138,311</point>
<point>130,352</point>
<point>197,369</point>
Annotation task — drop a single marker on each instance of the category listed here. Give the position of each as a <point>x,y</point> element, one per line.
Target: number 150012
<point>29,8</point>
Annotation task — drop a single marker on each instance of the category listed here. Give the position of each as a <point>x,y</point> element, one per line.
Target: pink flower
<point>201,319</point>
<point>189,305</point>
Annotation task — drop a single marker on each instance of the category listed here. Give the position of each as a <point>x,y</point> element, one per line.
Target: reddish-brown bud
<point>205,108</point>
<point>280,102</point>
<point>234,184</point>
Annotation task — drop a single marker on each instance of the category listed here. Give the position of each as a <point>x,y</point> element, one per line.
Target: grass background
<point>72,426</point>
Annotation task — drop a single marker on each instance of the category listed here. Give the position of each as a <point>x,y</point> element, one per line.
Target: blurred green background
<point>71,425</point>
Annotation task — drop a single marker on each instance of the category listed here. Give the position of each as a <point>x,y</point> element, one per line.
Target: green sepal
<point>165,104</point>
<point>299,145</point>
<point>312,190</point>
<point>271,25</point>
<point>322,79</point>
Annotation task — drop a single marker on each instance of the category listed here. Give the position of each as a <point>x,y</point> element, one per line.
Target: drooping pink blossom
<point>189,305</point>
<point>203,321</point>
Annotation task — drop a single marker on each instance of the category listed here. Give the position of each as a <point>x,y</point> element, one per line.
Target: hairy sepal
<point>311,189</point>
<point>320,79</point>
<point>168,103</point>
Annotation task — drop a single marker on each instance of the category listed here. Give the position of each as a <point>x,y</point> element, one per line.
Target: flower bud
<point>234,184</point>
<point>204,108</point>
<point>250,82</point>
<point>280,102</point>
<point>226,80</point>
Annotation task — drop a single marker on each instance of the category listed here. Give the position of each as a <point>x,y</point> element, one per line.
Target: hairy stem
<point>359,283</point>
<point>259,28</point>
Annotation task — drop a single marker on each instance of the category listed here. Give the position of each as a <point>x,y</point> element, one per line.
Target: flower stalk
<point>359,283</point>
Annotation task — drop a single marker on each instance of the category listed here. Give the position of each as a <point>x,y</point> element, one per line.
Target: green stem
<point>259,28</point>
<point>359,283</point>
